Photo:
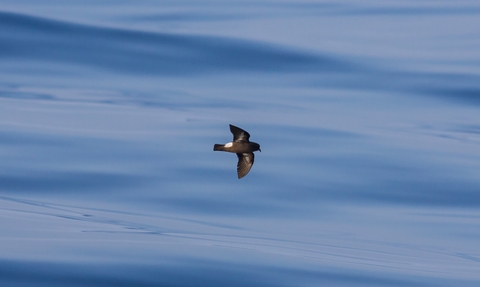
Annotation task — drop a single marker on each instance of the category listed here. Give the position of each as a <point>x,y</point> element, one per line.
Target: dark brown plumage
<point>242,147</point>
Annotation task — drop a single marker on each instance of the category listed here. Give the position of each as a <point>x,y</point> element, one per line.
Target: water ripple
<point>126,51</point>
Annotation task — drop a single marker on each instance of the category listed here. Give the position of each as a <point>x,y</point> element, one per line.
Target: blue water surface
<point>368,115</point>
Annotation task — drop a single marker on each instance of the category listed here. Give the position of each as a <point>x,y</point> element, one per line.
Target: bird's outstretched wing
<point>245,162</point>
<point>239,135</point>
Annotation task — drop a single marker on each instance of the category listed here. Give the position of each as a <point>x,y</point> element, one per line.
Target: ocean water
<point>368,115</point>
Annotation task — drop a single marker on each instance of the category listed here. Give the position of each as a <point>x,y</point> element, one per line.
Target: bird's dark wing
<point>239,135</point>
<point>245,162</point>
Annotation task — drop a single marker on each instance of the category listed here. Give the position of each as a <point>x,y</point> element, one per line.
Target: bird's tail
<point>219,147</point>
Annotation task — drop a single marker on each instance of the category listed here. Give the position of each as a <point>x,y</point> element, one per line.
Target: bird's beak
<point>259,150</point>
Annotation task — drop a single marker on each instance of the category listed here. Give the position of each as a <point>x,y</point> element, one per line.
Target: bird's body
<point>236,147</point>
<point>242,147</point>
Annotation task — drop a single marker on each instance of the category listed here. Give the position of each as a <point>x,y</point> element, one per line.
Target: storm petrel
<point>242,147</point>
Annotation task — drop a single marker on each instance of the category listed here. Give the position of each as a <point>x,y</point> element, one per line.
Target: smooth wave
<point>195,273</point>
<point>158,251</point>
<point>64,182</point>
<point>25,37</point>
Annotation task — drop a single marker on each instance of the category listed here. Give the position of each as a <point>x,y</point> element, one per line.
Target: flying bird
<point>242,147</point>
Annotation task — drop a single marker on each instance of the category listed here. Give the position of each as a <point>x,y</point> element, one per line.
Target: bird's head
<point>256,146</point>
